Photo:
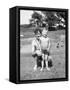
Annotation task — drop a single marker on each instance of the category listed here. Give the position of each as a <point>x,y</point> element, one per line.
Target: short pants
<point>38,57</point>
<point>46,52</point>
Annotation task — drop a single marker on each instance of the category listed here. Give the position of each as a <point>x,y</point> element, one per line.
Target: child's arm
<point>49,45</point>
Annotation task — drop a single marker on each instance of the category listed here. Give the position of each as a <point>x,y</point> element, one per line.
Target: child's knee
<point>46,57</point>
<point>43,56</point>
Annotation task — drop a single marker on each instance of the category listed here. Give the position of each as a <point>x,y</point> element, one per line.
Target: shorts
<point>46,52</point>
<point>37,53</point>
<point>34,55</point>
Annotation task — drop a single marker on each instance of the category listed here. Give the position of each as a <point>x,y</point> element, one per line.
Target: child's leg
<point>35,66</point>
<point>37,57</point>
<point>46,60</point>
<point>42,65</point>
<point>39,60</point>
<point>42,62</point>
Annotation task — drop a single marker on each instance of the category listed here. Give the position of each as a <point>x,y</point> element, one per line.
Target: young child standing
<point>45,48</point>
<point>36,48</point>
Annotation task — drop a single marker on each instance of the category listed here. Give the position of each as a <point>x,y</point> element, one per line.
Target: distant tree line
<point>55,20</point>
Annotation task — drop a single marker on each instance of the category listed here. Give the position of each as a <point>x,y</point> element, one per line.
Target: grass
<point>27,62</point>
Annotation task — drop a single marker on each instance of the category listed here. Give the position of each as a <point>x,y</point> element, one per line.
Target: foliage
<point>54,19</point>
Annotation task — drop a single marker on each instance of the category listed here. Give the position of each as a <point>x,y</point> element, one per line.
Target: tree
<point>36,19</point>
<point>54,19</point>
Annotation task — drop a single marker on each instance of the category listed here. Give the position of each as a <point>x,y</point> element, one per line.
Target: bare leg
<point>42,62</point>
<point>46,59</point>
<point>47,66</point>
<point>42,65</point>
<point>35,67</point>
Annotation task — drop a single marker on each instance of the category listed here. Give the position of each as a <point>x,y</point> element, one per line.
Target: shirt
<point>36,45</point>
<point>45,43</point>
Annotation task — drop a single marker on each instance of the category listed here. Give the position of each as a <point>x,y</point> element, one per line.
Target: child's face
<point>38,35</point>
<point>44,32</point>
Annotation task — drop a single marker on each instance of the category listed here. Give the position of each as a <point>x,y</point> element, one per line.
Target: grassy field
<point>27,61</point>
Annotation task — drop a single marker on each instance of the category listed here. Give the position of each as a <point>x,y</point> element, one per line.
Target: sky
<point>25,16</point>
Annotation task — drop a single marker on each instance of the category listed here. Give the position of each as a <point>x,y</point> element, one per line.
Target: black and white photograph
<point>42,44</point>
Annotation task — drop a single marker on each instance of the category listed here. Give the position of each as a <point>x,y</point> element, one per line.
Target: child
<point>45,48</point>
<point>36,48</point>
